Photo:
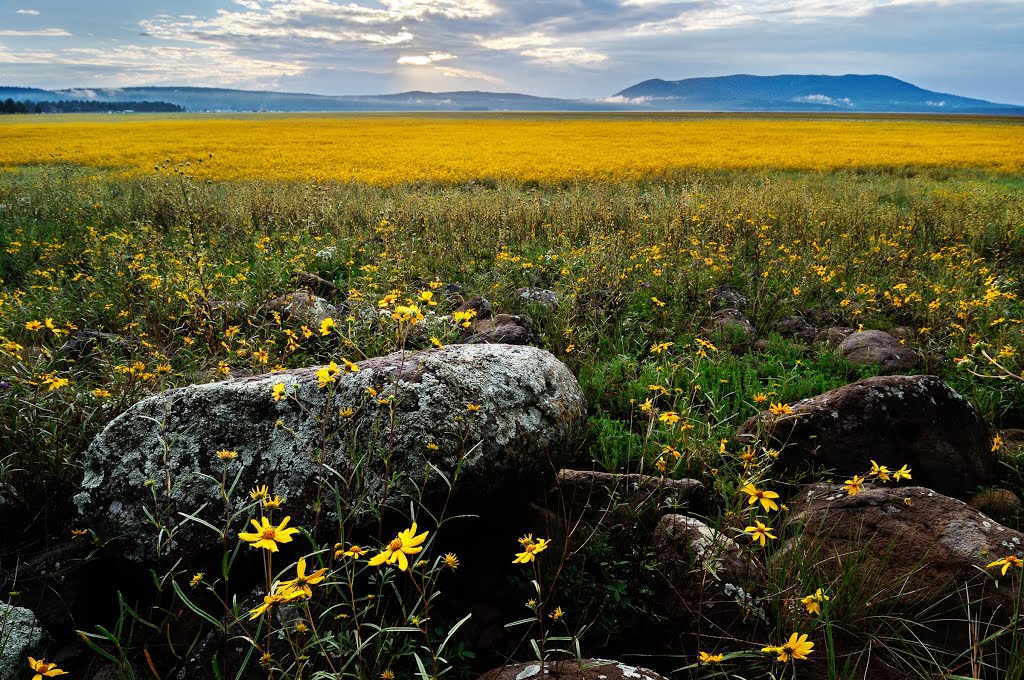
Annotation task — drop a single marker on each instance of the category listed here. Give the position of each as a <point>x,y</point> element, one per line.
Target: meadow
<point>169,232</point>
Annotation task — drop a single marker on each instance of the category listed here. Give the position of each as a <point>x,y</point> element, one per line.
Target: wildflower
<point>908,501</point>
<point>266,660</point>
<point>226,454</point>
<point>748,456</point>
<point>646,406</point>
<point>355,552</point>
<point>780,409</point>
<point>78,533</point>
<point>326,376</point>
<point>261,355</point>
<point>278,392</point>
<point>704,657</point>
<point>388,299</point>
<point>258,493</point>
<point>659,347</point>
<point>760,495</point>
<point>427,297</point>
<point>880,471</point>
<point>349,366</point>
<point>300,585</point>
<point>759,532</point>
<point>230,331</point>
<point>272,503</point>
<point>101,393</point>
<point>387,675</point>
<point>1006,563</point>
<point>56,383</point>
<point>196,580</point>
<point>997,443</point>
<point>43,669</point>
<point>451,561</point>
<point>406,543</point>
<point>657,302</point>
<point>902,473</point>
<point>669,417</point>
<point>557,614</point>
<point>853,485</point>
<point>223,369</point>
<point>301,627</point>
<point>268,536</point>
<point>346,412</point>
<point>661,465</point>
<point>531,549</point>
<point>472,408</point>
<point>797,647</point>
<point>34,325</point>
<point>431,446</point>
<point>813,602</point>
<point>326,326</point>
<point>760,398</point>
<point>436,342</point>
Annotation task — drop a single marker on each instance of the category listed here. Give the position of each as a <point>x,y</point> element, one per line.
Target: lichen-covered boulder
<point>20,635</point>
<point>917,421</point>
<point>878,348</point>
<point>504,417</point>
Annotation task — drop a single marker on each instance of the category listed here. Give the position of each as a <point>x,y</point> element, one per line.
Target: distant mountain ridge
<point>793,93</point>
<point>858,93</point>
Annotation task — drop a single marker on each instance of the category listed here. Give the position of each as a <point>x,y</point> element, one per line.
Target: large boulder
<point>917,421</point>
<point>878,348</point>
<point>504,417</point>
<point>640,500</point>
<point>917,547</point>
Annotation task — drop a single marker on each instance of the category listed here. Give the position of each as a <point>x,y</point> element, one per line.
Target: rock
<point>833,336</point>
<point>1000,504</point>
<point>508,329</point>
<point>301,305</point>
<point>1013,441</point>
<point>878,348</point>
<point>732,325</point>
<point>796,327</point>
<point>915,546</point>
<point>315,284</point>
<point>87,342</point>
<point>726,297</point>
<point>606,498</point>
<point>530,410</point>
<point>481,305</point>
<point>573,669</point>
<point>20,635</point>
<point>917,421</point>
<point>548,299</point>
<point>709,581</point>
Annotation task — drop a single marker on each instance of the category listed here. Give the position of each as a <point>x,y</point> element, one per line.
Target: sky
<point>555,48</point>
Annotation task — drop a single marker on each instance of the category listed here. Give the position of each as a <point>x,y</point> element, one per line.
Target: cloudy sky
<point>562,48</point>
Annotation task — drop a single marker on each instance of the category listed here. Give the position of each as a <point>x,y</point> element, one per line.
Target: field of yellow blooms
<point>395,149</point>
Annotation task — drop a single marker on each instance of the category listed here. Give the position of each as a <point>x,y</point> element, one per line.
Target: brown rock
<point>834,335</point>
<point>574,669</point>
<point>796,327</point>
<point>916,546</point>
<point>302,305</point>
<point>732,325</point>
<point>918,421</point>
<point>506,329</point>
<point>481,305</point>
<point>878,347</point>
<point>1001,504</point>
<point>315,284</point>
<point>1013,441</point>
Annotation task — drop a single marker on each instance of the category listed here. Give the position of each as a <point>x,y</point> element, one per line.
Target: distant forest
<point>85,106</point>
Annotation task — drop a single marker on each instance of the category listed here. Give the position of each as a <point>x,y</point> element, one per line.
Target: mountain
<point>799,93</point>
<point>859,93</point>
<point>220,99</point>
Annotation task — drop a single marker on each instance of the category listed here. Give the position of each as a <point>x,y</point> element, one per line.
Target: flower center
<point>269,534</point>
<point>395,545</point>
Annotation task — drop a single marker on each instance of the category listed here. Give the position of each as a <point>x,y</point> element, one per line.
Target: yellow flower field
<point>394,149</point>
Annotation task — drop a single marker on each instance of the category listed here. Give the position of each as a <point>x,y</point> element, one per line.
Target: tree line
<point>86,106</point>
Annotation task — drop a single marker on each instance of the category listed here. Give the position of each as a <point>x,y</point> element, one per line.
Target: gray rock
<point>20,636</point>
<point>726,297</point>
<point>508,329</point>
<point>531,408</point>
<point>732,325</point>
<point>301,305</point>
<point>548,299</point>
<point>913,420</point>
<point>879,348</point>
<point>315,284</point>
<point>833,336</point>
<point>478,304</point>
<point>796,327</point>
<point>572,669</point>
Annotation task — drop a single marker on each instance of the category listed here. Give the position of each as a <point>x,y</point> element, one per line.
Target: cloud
<point>466,74</point>
<point>35,33</point>
<point>31,12</point>
<point>541,48</point>
<point>824,99</point>
<point>619,99</point>
<point>426,59</point>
